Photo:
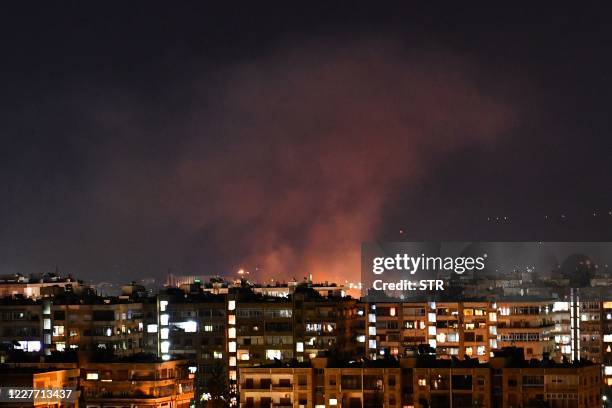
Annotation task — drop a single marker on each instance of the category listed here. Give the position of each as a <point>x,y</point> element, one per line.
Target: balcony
<point>282,387</point>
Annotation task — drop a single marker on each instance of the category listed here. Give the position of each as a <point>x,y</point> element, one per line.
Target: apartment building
<point>528,325</point>
<point>321,383</point>
<point>276,386</point>
<point>39,376</point>
<point>36,287</point>
<point>446,383</point>
<point>453,328</point>
<point>521,383</point>
<point>93,323</point>
<point>324,323</point>
<point>137,381</point>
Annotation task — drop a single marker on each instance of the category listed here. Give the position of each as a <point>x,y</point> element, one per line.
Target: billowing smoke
<point>283,164</point>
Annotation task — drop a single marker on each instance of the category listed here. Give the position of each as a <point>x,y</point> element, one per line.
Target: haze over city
<point>201,139</point>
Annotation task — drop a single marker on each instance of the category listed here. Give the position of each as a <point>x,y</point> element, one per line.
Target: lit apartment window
<point>217,354</point>
<point>231,346</point>
<point>422,382</point>
<point>188,326</point>
<point>163,319</point>
<point>151,328</point>
<point>299,347</point>
<point>58,330</point>
<point>163,333</point>
<point>231,305</point>
<point>208,328</point>
<point>92,376</point>
<point>165,346</point>
<point>231,332</point>
<point>273,354</point>
<point>231,319</point>
<point>162,305</point>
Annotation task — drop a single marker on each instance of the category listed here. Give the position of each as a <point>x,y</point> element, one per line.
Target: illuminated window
<point>163,319</point>
<point>231,332</point>
<point>231,319</point>
<point>162,305</point>
<point>217,354</point>
<point>372,331</point>
<point>231,346</point>
<point>92,376</point>
<point>333,401</point>
<point>188,326</point>
<point>299,347</point>
<point>151,328</point>
<point>273,354</point>
<point>231,305</point>
<point>163,333</point>
<point>422,382</point>
<point>208,328</point>
<point>58,330</point>
<point>165,346</point>
<point>232,361</point>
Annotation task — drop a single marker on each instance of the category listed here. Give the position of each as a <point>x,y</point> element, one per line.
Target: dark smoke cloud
<point>284,163</point>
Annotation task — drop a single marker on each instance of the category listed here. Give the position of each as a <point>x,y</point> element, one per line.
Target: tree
<point>218,392</point>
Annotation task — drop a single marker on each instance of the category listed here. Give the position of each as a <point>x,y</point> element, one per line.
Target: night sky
<point>141,138</point>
